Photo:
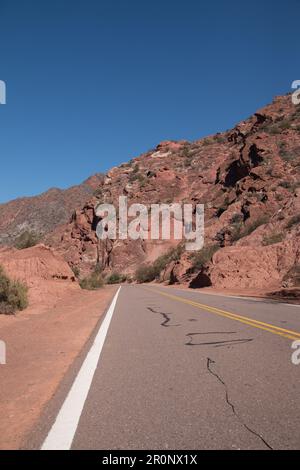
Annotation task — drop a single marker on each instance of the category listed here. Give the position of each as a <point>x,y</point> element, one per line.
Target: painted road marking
<point>276,330</point>
<point>251,299</point>
<point>63,430</point>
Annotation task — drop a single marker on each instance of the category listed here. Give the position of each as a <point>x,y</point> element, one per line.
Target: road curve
<point>181,369</point>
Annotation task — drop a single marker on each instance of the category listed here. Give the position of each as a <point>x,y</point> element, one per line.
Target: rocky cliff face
<point>43,213</point>
<point>249,180</point>
<point>46,274</point>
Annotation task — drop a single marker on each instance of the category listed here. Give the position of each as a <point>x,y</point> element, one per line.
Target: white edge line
<point>63,430</point>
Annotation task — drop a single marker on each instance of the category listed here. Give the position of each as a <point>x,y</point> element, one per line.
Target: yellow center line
<point>276,330</point>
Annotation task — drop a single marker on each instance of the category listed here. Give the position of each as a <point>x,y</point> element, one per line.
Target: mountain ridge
<point>43,212</point>
<point>248,178</point>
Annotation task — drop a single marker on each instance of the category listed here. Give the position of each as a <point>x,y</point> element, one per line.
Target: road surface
<point>181,369</point>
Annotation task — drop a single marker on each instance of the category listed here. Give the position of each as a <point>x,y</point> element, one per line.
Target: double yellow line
<point>276,330</point>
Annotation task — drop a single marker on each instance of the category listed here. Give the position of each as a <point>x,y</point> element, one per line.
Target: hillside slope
<point>42,214</point>
<point>248,178</point>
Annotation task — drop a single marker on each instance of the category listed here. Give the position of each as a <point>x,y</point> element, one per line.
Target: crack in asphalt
<point>217,344</point>
<point>166,317</point>
<point>210,362</point>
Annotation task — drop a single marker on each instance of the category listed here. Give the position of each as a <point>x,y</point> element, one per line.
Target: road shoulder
<point>40,350</point>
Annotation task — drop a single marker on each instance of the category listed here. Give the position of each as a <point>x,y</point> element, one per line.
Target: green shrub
<point>150,272</point>
<point>93,281</point>
<point>115,278</point>
<point>219,139</point>
<point>293,275</point>
<point>239,231</point>
<point>236,232</point>
<point>255,224</point>
<point>291,186</point>
<point>13,295</point>
<point>285,124</point>
<point>17,295</point>
<point>185,152</point>
<point>293,221</point>
<point>279,197</point>
<point>204,256</point>
<point>98,193</point>
<point>291,155</point>
<point>26,240</point>
<point>286,156</point>
<point>273,238</point>
<point>236,218</point>
<point>273,130</point>
<point>285,184</point>
<point>162,261</point>
<point>6,309</point>
<point>76,271</point>
<point>145,273</point>
<point>187,162</point>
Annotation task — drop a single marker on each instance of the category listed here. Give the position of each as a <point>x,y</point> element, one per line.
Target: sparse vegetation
<point>115,278</point>
<point>236,218</point>
<point>204,256</point>
<point>288,155</point>
<point>76,271</point>
<point>236,232</point>
<point>150,272</point>
<point>284,124</point>
<point>285,184</point>
<point>26,240</point>
<point>13,294</point>
<point>172,255</point>
<point>98,193</point>
<point>137,176</point>
<point>264,219</point>
<point>293,221</point>
<point>277,127</point>
<point>273,238</point>
<point>291,186</point>
<point>145,273</point>
<point>219,139</point>
<point>94,281</point>
<point>239,231</point>
<point>187,162</point>
<point>223,208</point>
<point>293,275</point>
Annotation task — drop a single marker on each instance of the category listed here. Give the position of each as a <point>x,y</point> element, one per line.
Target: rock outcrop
<point>42,214</point>
<point>249,180</point>
<point>46,274</point>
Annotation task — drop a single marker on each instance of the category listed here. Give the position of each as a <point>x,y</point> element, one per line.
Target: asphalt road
<point>186,370</point>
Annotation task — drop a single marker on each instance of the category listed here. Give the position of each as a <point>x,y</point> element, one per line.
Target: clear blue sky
<point>93,83</point>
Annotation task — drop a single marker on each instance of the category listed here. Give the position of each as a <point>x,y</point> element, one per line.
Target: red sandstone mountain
<point>42,214</point>
<point>249,180</point>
